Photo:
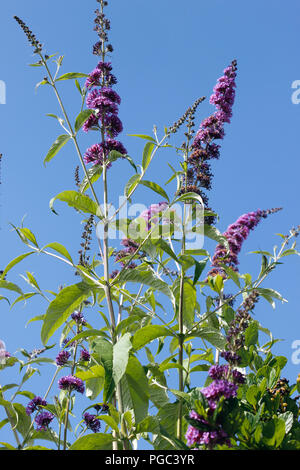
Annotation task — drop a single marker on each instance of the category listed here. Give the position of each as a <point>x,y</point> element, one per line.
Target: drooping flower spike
<point>224,385</point>
<point>102,99</point>
<point>236,234</point>
<point>199,176</point>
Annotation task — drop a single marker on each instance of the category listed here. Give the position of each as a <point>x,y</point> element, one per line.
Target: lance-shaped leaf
<point>14,262</point>
<point>97,441</point>
<point>149,333</point>
<point>120,357</point>
<point>58,144</point>
<point>81,118</point>
<point>270,294</point>
<point>94,174</point>
<point>188,302</point>
<point>131,185</point>
<point>114,155</point>
<point>188,197</point>
<point>211,335</point>
<point>104,354</point>
<point>199,267</point>
<point>80,201</point>
<point>62,307</point>
<point>71,76</point>
<point>59,248</point>
<point>10,286</point>
<point>135,389</point>
<point>251,333</point>
<point>143,136</point>
<point>156,188</point>
<point>147,155</point>
<point>164,246</point>
<point>212,232</point>
<point>143,275</point>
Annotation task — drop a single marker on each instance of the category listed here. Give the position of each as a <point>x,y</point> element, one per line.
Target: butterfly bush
<point>159,341</point>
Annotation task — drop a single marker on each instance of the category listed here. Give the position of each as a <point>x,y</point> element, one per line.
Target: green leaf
<point>80,201</point>
<point>147,155</point>
<point>14,262</point>
<point>270,293</point>
<point>20,419</point>
<point>211,232</point>
<point>168,417</point>
<point>188,197</point>
<point>156,188</point>
<point>27,234</point>
<point>131,185</point>
<point>143,275</point>
<point>94,386</point>
<point>211,335</point>
<point>218,283</point>
<point>136,390</point>
<point>104,351</point>
<point>58,144</point>
<point>10,286</point>
<point>163,245</point>
<point>109,420</point>
<point>93,372</point>
<point>59,249</point>
<point>288,418</point>
<point>253,395</point>
<point>120,357</point>
<point>251,334</point>
<point>143,136</point>
<point>290,252</point>
<point>149,424</point>
<point>147,334</point>
<point>87,334</point>
<point>94,174</point>
<point>81,118</point>
<point>97,441</point>
<point>199,268</point>
<point>71,76</point>
<point>273,432</point>
<point>114,155</point>
<point>62,307</point>
<point>189,301</point>
<point>231,274</point>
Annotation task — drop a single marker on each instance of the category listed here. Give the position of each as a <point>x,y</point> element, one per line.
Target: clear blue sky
<point>167,54</point>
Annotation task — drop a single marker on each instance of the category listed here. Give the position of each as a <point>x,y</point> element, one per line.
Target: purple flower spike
<point>85,355</point>
<point>97,100</point>
<point>78,318</point>
<point>34,404</point>
<point>43,420</point>
<point>94,79</point>
<point>103,99</point>
<point>92,422</point>
<point>62,358</point>
<point>208,438</point>
<point>236,234</point>
<point>91,122</point>
<point>98,152</point>
<point>70,383</point>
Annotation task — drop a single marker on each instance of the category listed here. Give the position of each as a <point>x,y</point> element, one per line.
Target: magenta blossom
<point>236,234</point>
